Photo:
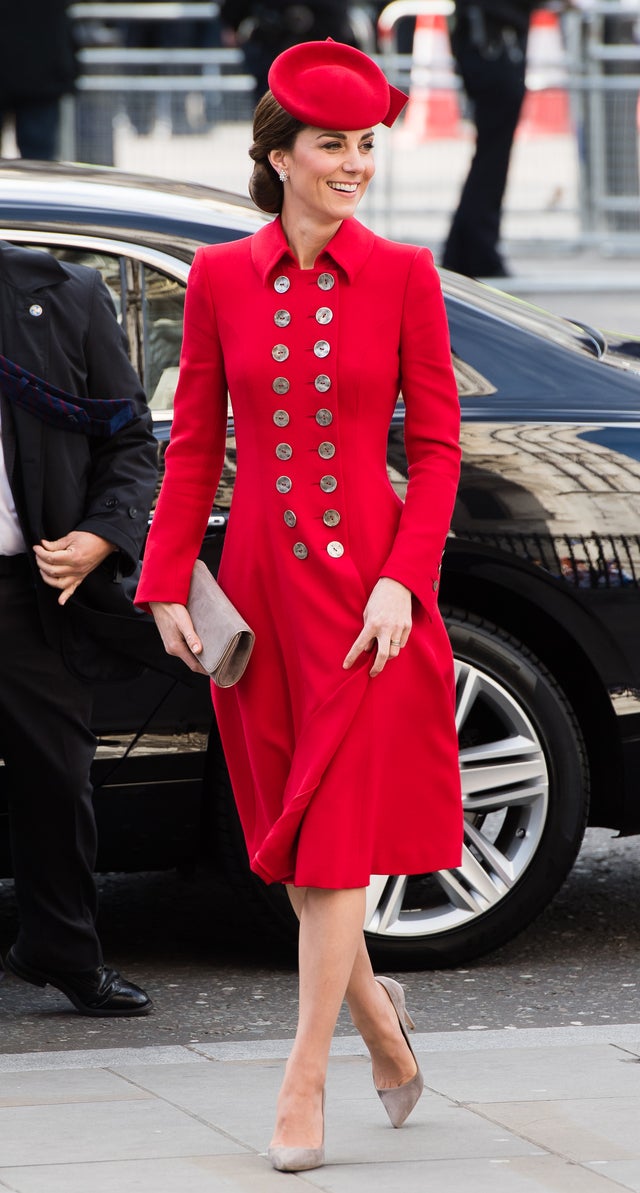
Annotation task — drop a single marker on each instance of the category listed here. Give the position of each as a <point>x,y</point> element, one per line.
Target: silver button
<point>281,284</point>
<point>35,309</point>
<point>435,585</point>
<point>284,451</point>
<point>322,383</point>
<point>324,315</point>
<point>331,517</point>
<point>281,385</point>
<point>326,281</point>
<point>321,348</point>
<point>284,484</point>
<point>282,318</point>
<point>280,418</point>
<point>280,352</point>
<point>328,484</point>
<point>289,517</point>
<point>300,551</point>
<point>324,417</point>
<point>335,549</point>
<point>326,450</point>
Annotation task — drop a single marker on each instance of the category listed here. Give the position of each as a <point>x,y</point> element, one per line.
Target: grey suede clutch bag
<point>227,640</point>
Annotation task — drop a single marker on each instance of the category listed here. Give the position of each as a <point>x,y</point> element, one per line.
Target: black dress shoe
<point>97,992</point>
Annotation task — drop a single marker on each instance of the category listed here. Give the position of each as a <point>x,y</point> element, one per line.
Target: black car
<point>540,585</point>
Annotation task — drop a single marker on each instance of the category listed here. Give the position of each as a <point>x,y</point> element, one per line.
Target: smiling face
<point>329,173</point>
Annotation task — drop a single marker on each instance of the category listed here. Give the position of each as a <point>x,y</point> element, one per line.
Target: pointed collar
<point>349,248</point>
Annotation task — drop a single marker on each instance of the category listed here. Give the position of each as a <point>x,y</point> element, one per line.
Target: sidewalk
<point>530,1111</point>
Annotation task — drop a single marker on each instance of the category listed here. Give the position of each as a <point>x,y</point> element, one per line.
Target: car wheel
<point>525,790</point>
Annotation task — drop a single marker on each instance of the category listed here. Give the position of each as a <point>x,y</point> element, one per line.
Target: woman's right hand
<point>177,633</point>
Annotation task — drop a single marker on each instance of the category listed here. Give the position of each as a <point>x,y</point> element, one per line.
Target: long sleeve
<point>432,426</point>
<point>195,454</point>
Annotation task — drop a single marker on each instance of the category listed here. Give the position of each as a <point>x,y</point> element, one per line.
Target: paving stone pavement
<point>512,1111</point>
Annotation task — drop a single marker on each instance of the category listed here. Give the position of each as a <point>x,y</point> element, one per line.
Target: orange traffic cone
<point>545,111</point>
<point>433,109</point>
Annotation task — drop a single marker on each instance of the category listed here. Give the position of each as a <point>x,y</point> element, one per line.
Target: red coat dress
<point>337,776</point>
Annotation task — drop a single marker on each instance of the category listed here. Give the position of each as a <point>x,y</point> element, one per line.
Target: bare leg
<point>330,933</point>
<point>372,1014</point>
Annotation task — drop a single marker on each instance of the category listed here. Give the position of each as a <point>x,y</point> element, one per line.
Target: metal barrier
<point>608,74</point>
<point>176,112</point>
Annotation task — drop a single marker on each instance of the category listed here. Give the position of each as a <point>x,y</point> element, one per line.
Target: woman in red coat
<point>340,737</point>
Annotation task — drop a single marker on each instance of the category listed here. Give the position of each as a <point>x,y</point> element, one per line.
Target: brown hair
<point>273,128</point>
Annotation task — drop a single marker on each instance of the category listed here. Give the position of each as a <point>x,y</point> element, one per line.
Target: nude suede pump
<point>400,1101</point>
<point>298,1159</point>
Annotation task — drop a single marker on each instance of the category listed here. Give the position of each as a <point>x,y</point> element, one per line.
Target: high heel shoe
<point>400,1100</point>
<point>298,1159</point>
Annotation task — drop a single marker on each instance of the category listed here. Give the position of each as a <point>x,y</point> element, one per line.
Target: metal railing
<point>137,105</point>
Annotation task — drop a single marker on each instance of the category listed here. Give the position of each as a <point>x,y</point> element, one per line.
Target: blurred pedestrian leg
<point>36,126</point>
<point>489,44</point>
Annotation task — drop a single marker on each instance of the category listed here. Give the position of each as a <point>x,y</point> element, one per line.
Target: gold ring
<point>392,643</point>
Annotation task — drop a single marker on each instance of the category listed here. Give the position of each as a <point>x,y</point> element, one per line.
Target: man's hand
<point>64,563</point>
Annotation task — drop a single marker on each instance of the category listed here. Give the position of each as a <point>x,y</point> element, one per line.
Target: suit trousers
<point>496,88</point>
<point>48,748</point>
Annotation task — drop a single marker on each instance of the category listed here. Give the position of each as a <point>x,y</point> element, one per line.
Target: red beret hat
<point>330,85</point>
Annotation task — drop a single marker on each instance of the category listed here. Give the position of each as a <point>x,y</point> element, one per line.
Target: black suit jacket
<point>58,321</point>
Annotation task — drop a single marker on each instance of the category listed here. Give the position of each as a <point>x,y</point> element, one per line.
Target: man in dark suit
<point>77,476</point>
<point>489,44</point>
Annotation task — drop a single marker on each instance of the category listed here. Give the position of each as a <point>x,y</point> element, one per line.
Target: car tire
<point>526,791</point>
<point>525,786</point>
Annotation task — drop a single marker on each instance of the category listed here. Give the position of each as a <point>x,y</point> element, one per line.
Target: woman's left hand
<point>387,621</point>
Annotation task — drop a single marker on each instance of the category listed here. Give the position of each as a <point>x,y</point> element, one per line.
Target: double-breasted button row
<point>334,549</point>
<point>282,386</point>
<point>326,281</point>
<point>324,417</point>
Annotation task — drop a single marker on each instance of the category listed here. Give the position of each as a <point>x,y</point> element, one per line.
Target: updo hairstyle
<point>273,128</point>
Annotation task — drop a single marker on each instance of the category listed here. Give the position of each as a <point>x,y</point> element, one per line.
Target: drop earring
<point>282,175</point>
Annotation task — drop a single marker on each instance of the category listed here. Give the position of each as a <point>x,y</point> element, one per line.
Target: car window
<point>470,382</point>
<point>162,313</point>
<point>150,307</point>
